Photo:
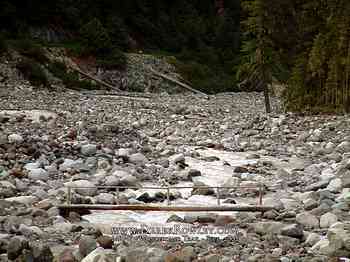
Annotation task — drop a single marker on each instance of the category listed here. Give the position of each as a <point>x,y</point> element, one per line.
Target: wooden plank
<point>228,208</point>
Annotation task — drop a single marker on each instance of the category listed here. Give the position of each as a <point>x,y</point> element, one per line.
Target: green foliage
<point>95,38</point>
<point>33,71</point>
<point>204,78</point>
<point>116,60</point>
<point>70,79</point>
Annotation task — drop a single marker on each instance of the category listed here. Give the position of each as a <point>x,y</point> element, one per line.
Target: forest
<point>220,45</point>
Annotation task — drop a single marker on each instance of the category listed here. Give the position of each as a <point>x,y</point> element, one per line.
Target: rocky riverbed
<point>49,140</point>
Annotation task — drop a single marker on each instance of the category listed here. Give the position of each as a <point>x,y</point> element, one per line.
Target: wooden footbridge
<point>86,208</point>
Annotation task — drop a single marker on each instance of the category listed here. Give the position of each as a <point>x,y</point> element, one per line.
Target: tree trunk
<point>267,98</point>
<point>266,80</point>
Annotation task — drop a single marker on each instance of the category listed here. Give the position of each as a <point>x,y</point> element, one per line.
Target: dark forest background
<point>219,45</point>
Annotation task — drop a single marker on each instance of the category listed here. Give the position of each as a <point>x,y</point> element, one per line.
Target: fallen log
<point>82,208</point>
<point>99,81</point>
<point>178,83</point>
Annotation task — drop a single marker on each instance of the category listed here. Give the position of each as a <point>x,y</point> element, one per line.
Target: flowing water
<point>214,173</point>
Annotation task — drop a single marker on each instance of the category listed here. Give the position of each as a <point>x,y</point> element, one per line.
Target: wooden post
<point>168,196</point>
<point>260,194</point>
<point>118,201</point>
<point>69,192</point>
<point>218,195</point>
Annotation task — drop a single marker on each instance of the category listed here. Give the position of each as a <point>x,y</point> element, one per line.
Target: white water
<point>213,174</point>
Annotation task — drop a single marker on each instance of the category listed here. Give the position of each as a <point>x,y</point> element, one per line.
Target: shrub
<point>32,71</point>
<point>203,77</point>
<point>116,60</point>
<point>31,49</point>
<point>95,38</point>
<point>70,79</point>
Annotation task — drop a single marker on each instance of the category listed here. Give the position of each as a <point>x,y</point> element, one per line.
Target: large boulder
<point>87,244</point>
<point>327,220</point>
<point>308,220</point>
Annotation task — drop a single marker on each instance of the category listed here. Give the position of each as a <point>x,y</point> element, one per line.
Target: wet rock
<point>88,150</point>
<point>175,218</point>
<point>202,189</point>
<point>105,241</point>
<point>179,158</point>
<point>193,173</point>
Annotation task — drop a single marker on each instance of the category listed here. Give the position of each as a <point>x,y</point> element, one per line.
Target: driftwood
<point>96,79</point>
<point>183,85</point>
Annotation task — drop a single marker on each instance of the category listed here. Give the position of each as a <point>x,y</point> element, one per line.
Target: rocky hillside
<point>137,77</point>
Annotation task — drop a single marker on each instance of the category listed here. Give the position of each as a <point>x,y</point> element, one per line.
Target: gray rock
<point>308,220</point>
<point>30,231</point>
<point>38,174</point>
<point>186,254</point>
<point>174,218</point>
<point>101,255</point>
<point>343,147</point>
<point>264,228</point>
<point>335,185</point>
<point>15,247</point>
<point>70,164</point>
<point>312,239</point>
<point>41,252</point>
<point>310,203</point>
<point>87,244</point>
<point>88,150</point>
<point>327,220</point>
<point>26,200</point>
<point>138,159</point>
<point>87,188</point>
<point>317,185</point>
<point>15,138</point>
<point>105,198</point>
<point>112,180</point>
<point>178,158</point>
<point>67,255</point>
<point>129,180</point>
<point>63,227</point>
<point>294,230</point>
